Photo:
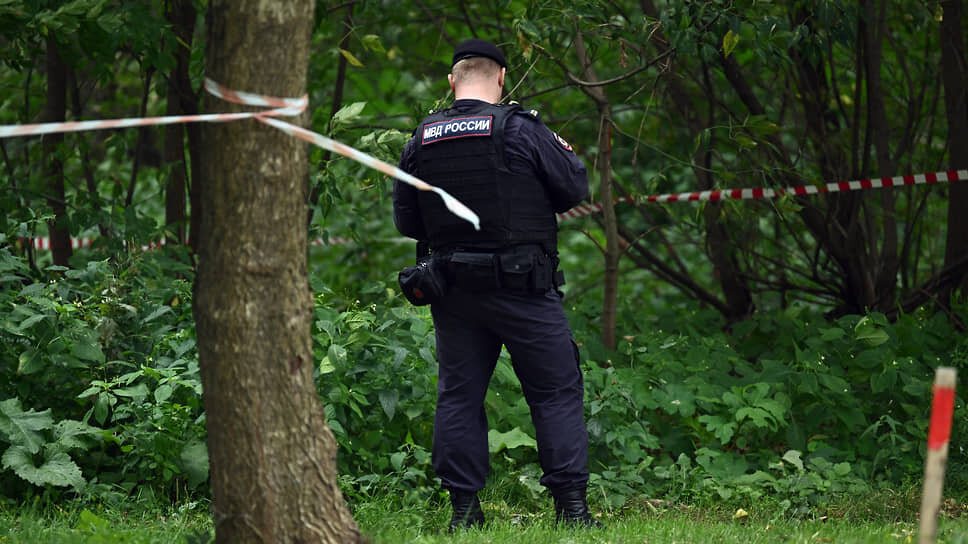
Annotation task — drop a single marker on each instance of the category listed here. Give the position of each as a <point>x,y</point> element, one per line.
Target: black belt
<point>521,269</point>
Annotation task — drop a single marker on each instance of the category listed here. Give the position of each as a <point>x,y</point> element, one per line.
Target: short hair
<point>474,68</point>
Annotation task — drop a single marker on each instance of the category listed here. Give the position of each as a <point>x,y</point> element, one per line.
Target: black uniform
<point>515,174</point>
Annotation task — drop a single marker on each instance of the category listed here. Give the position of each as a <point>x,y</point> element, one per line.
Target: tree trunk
<point>954,65</point>
<point>181,15</point>
<point>836,223</point>
<point>736,290</point>
<point>613,249</point>
<point>273,458</point>
<point>888,260</point>
<point>55,110</point>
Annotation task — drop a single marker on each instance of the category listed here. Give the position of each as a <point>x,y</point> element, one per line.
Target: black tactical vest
<point>462,152</point>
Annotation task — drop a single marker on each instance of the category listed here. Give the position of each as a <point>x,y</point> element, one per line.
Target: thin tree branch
<point>142,134</point>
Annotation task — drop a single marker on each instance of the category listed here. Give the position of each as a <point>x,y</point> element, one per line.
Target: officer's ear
<point>500,78</point>
<point>450,80</point>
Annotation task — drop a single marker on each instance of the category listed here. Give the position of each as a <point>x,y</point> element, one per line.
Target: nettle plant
<point>785,407</point>
<point>100,392</point>
<point>376,376</point>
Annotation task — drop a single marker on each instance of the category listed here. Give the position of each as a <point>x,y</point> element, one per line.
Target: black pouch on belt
<point>474,271</point>
<point>422,283</point>
<point>518,272</point>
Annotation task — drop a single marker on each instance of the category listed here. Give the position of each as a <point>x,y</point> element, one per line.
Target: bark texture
<point>273,458</point>
<point>181,100</point>
<point>954,65</point>
<point>612,249</point>
<point>55,111</point>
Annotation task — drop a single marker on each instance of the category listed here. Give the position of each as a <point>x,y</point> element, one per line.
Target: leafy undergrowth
<point>100,399</point>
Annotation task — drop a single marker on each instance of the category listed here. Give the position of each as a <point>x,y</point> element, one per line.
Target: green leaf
<point>828,335</point>
<point>760,417</point>
<point>21,428</point>
<point>111,23</point>
<point>761,125</point>
<point>163,392</point>
<point>680,399</point>
<point>139,391</point>
<point>514,438</point>
<point>30,362</point>
<point>70,434</point>
<point>91,523</point>
<point>397,459</point>
<point>350,58</point>
<point>833,383</point>
<point>744,141</point>
<point>873,337</point>
<point>389,400</point>
<point>884,381</point>
<point>336,354</point>
<point>88,351</point>
<point>57,469</point>
<point>194,461</point>
<point>867,331</point>
<point>793,457</point>
<point>101,407</point>
<point>30,321</point>
<point>10,263</point>
<point>158,312</point>
<point>730,41</point>
<point>373,43</point>
<point>345,115</point>
<point>723,430</point>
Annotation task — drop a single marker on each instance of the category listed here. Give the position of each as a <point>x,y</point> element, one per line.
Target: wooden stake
<point>939,432</point>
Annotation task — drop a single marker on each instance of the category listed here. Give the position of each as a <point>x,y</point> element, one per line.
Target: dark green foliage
<point>376,377</point>
<point>787,406</point>
<point>103,361</point>
<point>99,389</point>
<point>101,396</point>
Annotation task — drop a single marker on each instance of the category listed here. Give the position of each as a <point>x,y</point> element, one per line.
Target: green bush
<point>100,396</point>
<point>100,387</point>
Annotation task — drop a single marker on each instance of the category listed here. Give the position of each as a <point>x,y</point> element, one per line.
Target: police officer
<point>507,166</point>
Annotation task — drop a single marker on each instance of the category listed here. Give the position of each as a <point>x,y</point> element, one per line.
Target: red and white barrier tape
<point>294,106</point>
<point>877,183</point>
<point>759,193</point>
<point>43,242</point>
<point>283,107</point>
<point>583,210</point>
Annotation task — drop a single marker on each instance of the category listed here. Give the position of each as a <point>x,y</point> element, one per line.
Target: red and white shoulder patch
<point>561,141</point>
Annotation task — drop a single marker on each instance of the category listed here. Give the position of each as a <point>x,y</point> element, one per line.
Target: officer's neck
<point>477,93</point>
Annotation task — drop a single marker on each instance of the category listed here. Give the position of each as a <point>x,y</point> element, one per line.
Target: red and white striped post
<point>939,431</point>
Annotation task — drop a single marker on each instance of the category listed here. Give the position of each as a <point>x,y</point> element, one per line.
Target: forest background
<point>734,351</point>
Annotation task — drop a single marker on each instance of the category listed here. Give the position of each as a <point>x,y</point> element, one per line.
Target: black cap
<point>478,48</point>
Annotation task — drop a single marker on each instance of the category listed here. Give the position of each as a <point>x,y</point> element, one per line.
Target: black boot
<point>571,509</point>
<point>467,510</point>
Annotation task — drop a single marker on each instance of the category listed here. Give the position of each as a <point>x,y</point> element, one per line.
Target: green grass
<point>885,518</point>
<point>95,525</point>
<point>677,529</point>
<point>654,525</point>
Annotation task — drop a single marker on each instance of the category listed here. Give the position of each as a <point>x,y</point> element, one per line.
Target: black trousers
<point>470,330</point>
